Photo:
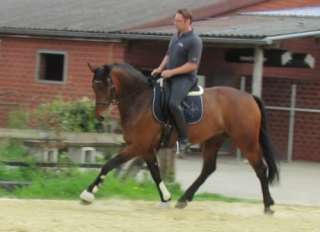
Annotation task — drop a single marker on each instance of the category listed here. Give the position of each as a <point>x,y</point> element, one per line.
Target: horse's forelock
<point>107,69</point>
<point>102,72</point>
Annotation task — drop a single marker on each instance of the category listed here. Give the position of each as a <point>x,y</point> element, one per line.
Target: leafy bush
<point>18,119</point>
<point>11,149</point>
<point>60,115</point>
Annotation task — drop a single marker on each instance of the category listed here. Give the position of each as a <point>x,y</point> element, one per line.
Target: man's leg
<point>180,87</point>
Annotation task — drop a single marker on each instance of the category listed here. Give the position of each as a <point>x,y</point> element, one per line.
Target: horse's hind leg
<point>210,149</point>
<point>153,166</point>
<point>260,169</point>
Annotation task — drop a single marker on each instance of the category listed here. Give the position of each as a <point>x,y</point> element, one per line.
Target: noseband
<point>112,97</point>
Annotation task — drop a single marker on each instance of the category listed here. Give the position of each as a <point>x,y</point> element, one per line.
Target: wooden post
<point>292,122</point>
<point>257,72</point>
<point>167,164</point>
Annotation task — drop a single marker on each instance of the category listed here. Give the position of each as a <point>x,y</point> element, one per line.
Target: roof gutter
<point>221,40</point>
<point>117,36</point>
<point>57,34</point>
<point>134,36</point>
<point>104,36</point>
<point>271,39</point>
<point>226,40</point>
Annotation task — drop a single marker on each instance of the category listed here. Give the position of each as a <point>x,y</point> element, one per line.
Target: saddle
<point>192,106</point>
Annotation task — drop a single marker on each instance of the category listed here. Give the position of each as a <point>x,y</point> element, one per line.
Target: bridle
<point>112,99</point>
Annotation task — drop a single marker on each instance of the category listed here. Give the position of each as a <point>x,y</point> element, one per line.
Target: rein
<point>112,99</point>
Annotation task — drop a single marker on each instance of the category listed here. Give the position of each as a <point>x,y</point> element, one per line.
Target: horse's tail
<point>266,144</point>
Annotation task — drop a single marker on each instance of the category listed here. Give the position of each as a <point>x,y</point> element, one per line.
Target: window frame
<point>65,66</point>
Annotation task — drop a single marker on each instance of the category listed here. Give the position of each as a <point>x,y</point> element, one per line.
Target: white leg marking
<point>87,196</point>
<point>95,189</point>
<point>165,193</point>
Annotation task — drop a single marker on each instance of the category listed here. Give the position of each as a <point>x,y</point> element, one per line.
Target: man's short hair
<point>185,13</point>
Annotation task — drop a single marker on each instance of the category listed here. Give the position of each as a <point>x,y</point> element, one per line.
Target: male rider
<point>179,67</point>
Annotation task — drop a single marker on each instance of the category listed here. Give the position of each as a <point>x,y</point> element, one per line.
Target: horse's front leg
<point>87,196</point>
<point>165,195</point>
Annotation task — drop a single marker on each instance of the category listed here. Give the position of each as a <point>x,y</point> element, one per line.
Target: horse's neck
<point>132,101</point>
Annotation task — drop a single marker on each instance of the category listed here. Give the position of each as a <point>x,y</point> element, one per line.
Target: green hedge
<point>60,115</point>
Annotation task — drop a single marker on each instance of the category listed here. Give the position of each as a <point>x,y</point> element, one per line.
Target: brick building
<point>235,35</point>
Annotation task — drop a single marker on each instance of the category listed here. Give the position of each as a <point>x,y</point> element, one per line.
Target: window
<point>51,66</point>
<point>51,156</point>
<point>88,156</point>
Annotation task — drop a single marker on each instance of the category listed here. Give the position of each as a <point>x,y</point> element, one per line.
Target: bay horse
<point>228,112</point>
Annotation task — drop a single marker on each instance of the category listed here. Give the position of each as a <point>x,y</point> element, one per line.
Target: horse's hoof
<point>83,202</point>
<point>181,204</point>
<point>271,202</point>
<point>268,211</point>
<point>164,205</point>
<point>86,197</point>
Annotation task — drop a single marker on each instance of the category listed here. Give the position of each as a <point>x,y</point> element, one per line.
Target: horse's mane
<point>132,72</point>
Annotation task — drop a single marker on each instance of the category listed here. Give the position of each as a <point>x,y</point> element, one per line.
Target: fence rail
<point>52,165</point>
<point>92,139</point>
<point>36,137</point>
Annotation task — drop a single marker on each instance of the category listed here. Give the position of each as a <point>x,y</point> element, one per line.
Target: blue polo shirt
<point>184,48</point>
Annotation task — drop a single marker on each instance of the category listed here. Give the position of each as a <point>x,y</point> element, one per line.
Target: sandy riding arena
<point>139,216</point>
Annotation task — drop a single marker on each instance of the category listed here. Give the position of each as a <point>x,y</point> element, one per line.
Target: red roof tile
<point>282,4</point>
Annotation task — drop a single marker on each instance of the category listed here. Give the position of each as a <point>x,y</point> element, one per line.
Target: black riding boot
<point>180,87</point>
<point>181,126</point>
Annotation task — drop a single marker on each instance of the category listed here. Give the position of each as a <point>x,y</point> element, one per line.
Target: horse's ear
<point>92,68</point>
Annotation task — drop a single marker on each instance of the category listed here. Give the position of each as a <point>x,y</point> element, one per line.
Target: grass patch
<point>62,183</point>
<point>219,197</point>
<point>69,183</point>
<point>12,150</point>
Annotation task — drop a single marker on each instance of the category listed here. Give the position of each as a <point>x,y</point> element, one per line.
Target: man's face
<point>181,23</point>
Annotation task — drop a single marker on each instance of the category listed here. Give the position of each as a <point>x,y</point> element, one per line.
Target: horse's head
<point>103,88</point>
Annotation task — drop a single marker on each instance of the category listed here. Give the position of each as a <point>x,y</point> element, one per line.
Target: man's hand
<point>167,73</point>
<point>156,71</point>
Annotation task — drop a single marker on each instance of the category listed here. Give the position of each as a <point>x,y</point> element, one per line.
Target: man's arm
<point>164,62</point>
<point>161,66</point>
<point>194,56</point>
<point>186,68</point>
